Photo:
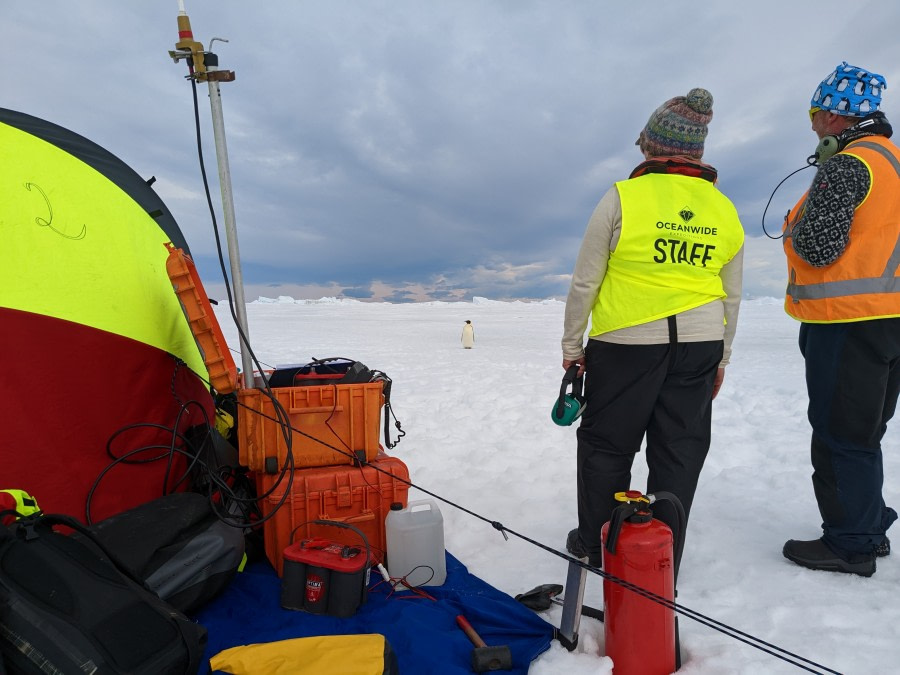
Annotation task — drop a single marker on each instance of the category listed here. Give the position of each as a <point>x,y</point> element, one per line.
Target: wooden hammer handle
<point>469,631</point>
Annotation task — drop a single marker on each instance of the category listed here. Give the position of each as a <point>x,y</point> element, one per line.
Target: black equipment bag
<point>177,546</point>
<point>335,370</point>
<point>66,606</point>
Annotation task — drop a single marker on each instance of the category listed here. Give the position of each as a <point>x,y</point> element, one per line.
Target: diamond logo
<point>686,214</point>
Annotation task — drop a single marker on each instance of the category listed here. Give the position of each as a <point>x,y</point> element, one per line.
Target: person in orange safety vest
<point>842,242</point>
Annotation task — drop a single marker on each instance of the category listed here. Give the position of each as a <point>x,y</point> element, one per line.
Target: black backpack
<point>66,606</point>
<point>177,546</point>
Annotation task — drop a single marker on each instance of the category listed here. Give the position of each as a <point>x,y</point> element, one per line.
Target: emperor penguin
<point>468,335</point>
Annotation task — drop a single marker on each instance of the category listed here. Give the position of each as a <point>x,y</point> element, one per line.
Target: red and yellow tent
<point>96,357</point>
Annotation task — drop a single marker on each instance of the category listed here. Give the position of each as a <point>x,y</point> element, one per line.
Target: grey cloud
<point>435,150</point>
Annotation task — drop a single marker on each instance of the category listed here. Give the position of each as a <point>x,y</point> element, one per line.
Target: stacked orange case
<point>331,424</point>
<point>358,496</point>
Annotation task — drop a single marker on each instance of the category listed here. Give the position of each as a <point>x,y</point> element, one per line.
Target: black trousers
<point>661,391</point>
<point>853,381</point>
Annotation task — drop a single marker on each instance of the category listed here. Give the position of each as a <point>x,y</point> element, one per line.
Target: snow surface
<point>478,433</point>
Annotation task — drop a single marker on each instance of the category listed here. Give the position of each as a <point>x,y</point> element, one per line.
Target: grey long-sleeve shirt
<point>701,324</point>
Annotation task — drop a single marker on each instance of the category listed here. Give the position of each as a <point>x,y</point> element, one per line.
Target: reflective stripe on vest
<point>858,272</point>
<point>677,234</point>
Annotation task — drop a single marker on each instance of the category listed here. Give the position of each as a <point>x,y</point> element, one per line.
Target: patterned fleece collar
<point>684,166</point>
<point>875,124</point>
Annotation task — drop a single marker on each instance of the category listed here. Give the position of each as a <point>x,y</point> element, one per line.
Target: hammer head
<point>491,658</point>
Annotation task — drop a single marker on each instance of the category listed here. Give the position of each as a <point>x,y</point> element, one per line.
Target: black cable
<point>193,454</point>
<point>287,428</point>
<point>215,226</point>
<point>771,196</point>
<point>283,419</point>
<point>670,604</point>
<point>681,609</point>
<point>236,351</point>
<point>696,616</point>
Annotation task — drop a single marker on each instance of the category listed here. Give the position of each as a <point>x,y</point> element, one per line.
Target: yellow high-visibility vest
<point>677,234</point>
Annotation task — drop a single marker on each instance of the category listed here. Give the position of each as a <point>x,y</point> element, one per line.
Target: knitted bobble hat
<point>678,126</point>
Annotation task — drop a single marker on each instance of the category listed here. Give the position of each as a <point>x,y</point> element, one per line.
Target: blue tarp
<point>423,633</point>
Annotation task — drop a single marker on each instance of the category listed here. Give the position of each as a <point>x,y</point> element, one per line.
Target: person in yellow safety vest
<point>659,276</point>
<point>842,242</point>
<point>19,501</point>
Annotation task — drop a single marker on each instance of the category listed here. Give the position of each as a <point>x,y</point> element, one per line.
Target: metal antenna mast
<point>203,66</point>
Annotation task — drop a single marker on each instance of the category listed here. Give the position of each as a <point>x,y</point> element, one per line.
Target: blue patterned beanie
<point>849,90</point>
<point>678,126</point>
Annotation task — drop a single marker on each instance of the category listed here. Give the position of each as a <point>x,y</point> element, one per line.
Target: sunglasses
<point>812,112</point>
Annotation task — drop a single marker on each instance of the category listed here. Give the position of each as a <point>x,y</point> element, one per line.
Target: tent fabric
<point>79,248</point>
<point>105,163</point>
<point>423,633</point>
<point>65,390</point>
<point>95,342</point>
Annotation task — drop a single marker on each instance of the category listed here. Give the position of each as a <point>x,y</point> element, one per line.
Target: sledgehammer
<point>485,658</point>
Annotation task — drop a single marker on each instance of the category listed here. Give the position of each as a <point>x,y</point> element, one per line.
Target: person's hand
<point>717,383</point>
<point>579,361</point>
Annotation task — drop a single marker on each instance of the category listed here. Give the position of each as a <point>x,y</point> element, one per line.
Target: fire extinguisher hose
<point>679,510</point>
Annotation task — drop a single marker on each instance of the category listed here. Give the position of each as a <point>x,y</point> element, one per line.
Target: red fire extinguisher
<point>640,633</point>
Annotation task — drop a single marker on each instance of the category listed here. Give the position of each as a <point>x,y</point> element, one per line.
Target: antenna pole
<point>205,67</point>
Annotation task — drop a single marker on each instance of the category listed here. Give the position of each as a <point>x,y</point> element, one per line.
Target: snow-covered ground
<point>478,432</point>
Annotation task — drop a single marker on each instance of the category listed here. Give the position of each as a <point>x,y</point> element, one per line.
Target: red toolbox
<point>358,496</point>
<point>330,424</point>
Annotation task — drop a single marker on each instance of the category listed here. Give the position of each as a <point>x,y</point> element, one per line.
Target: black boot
<point>816,555</point>
<point>575,546</point>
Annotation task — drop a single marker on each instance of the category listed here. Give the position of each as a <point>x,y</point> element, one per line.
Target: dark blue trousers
<point>663,392</point>
<point>853,380</point>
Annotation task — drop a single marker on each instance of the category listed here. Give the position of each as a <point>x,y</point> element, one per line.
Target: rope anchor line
<point>746,638</point>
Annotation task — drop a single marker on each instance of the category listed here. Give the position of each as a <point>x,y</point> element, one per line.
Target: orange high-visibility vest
<point>864,283</point>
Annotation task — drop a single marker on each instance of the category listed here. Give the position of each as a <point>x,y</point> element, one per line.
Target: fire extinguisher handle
<point>619,515</point>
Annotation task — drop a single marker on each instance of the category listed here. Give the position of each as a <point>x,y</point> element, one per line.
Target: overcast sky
<point>437,150</point>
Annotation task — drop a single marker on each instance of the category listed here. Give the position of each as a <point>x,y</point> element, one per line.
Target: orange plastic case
<point>195,304</point>
<point>358,496</point>
<point>331,424</point>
